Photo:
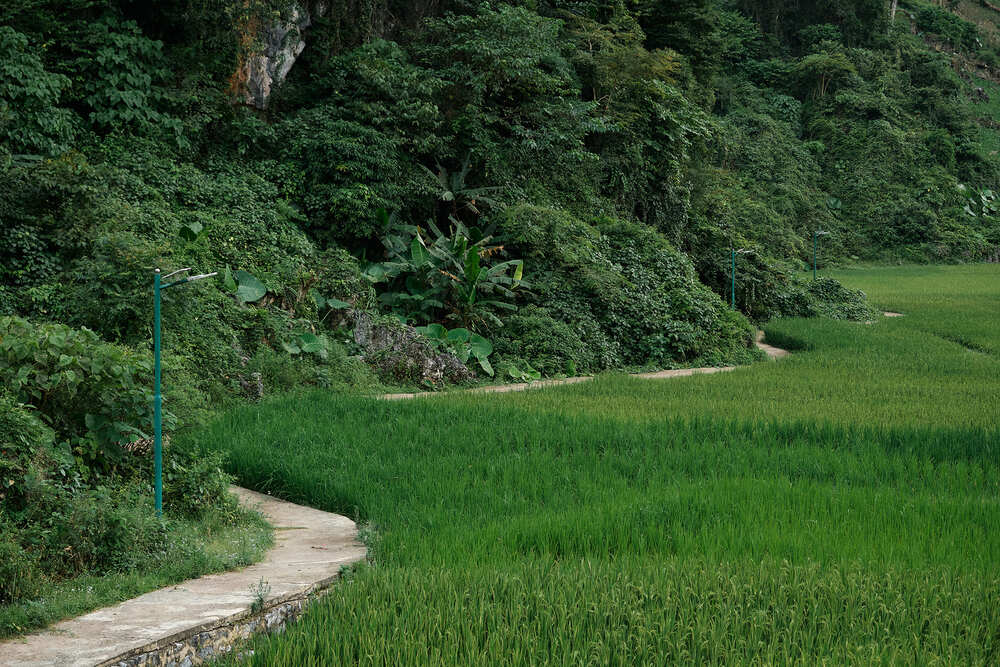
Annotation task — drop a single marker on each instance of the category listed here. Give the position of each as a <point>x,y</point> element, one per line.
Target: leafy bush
<point>831,299</point>
<point>124,68</point>
<point>338,275</point>
<point>508,94</point>
<point>547,344</point>
<point>815,34</point>
<point>349,171</point>
<point>958,32</point>
<point>25,453</point>
<point>97,528</point>
<point>30,119</point>
<point>86,236</point>
<point>51,521</point>
<point>91,392</point>
<point>19,575</point>
<point>436,276</point>
<point>626,278</point>
<point>49,209</point>
<point>942,147</point>
<point>194,483</point>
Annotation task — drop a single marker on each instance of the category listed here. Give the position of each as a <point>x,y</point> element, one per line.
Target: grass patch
<point>842,505</point>
<point>953,302</point>
<point>216,542</point>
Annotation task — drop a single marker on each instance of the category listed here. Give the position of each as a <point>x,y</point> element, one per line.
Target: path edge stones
<point>214,639</point>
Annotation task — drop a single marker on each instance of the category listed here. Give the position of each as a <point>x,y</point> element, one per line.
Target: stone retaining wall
<point>200,644</point>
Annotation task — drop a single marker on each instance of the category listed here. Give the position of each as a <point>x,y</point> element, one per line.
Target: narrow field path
<point>771,351</point>
<point>199,618</point>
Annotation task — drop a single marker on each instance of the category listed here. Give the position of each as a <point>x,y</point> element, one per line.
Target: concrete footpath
<point>771,351</point>
<point>200,618</point>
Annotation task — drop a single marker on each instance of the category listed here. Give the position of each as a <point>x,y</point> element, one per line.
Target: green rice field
<point>839,506</point>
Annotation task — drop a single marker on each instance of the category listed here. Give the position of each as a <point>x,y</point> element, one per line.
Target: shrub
<point>641,293</point>
<point>547,344</point>
<point>942,147</point>
<point>48,209</point>
<point>123,70</point>
<point>824,297</point>
<point>86,235</point>
<point>87,390</point>
<point>831,299</point>
<point>350,170</point>
<point>194,483</point>
<point>958,32</point>
<point>30,120</point>
<point>96,529</point>
<point>338,276</point>
<point>19,575</point>
<point>436,276</point>
<point>25,450</point>
<point>51,522</point>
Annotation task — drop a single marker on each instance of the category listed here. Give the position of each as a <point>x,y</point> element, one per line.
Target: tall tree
<point>689,27</point>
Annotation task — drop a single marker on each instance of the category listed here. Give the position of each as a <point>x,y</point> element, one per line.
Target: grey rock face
<point>283,42</point>
<point>398,352</point>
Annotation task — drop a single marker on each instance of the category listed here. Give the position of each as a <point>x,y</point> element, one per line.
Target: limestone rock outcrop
<point>281,42</point>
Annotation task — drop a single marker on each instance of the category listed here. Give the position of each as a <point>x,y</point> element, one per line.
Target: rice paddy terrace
<point>839,506</point>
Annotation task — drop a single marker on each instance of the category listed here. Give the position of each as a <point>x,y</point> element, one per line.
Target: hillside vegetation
<point>562,179</point>
<point>440,193</point>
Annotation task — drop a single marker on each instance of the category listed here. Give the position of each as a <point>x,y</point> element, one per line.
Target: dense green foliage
<point>88,389</point>
<point>678,126</point>
<point>836,506</point>
<point>604,128</point>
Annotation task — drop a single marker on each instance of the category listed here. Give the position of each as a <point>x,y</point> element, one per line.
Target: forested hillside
<point>539,187</point>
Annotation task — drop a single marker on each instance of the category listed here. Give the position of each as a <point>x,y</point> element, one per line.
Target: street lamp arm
<point>189,279</point>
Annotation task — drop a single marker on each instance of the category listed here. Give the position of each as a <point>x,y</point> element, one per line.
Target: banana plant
<point>461,342</point>
<point>446,276</point>
<point>457,198</point>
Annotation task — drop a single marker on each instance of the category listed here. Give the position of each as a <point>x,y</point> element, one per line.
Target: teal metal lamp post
<point>732,289</point>
<point>818,233</point>
<point>158,286</point>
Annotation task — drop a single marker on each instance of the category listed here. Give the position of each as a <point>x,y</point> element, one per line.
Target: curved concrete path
<point>310,548</point>
<point>771,351</point>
